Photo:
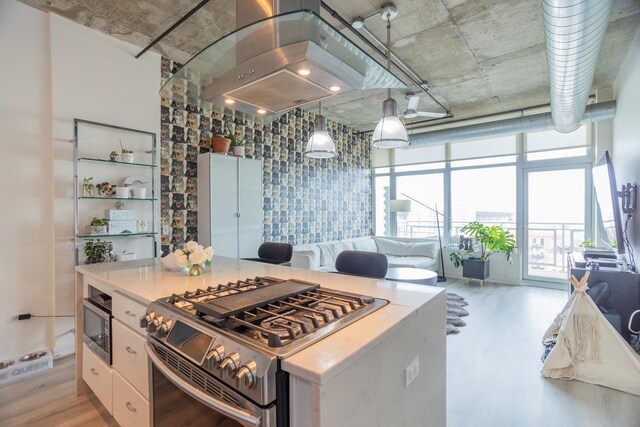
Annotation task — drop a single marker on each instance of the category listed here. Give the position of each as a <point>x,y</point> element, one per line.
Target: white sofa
<point>400,252</point>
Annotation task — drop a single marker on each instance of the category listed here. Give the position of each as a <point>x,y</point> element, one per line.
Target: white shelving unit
<point>93,143</point>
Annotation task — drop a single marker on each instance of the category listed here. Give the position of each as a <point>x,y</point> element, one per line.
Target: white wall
<point>626,129</point>
<point>94,77</point>
<point>54,71</point>
<point>26,225</point>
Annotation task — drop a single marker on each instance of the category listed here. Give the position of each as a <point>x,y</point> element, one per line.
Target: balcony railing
<point>546,249</point>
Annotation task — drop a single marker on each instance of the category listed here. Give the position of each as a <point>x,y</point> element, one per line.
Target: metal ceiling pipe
<point>574,31</point>
<point>533,123</point>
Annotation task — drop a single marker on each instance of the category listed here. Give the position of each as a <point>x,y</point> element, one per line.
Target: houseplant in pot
<point>97,226</point>
<point>220,144</point>
<point>236,143</point>
<point>491,239</point>
<point>97,251</point>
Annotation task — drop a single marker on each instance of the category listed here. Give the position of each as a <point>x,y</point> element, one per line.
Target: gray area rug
<point>455,311</point>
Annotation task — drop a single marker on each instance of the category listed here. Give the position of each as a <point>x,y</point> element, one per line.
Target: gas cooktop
<point>272,312</point>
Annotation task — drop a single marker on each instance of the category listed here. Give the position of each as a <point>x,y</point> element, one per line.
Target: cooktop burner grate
<point>272,311</point>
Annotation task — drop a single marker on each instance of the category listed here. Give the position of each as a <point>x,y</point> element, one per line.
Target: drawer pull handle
<point>131,407</point>
<point>94,372</point>
<point>130,350</point>
<point>130,314</point>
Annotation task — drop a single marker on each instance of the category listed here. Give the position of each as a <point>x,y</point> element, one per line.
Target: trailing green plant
<point>235,141</point>
<point>492,239</point>
<point>95,222</point>
<point>96,251</point>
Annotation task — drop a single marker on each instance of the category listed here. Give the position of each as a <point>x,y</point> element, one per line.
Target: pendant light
<point>390,131</point>
<point>320,145</point>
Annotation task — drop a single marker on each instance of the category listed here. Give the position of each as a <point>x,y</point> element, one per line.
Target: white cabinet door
<point>130,408</point>
<point>98,377</point>
<point>230,205</point>
<point>250,207</point>
<point>218,200</point>
<point>130,358</point>
<point>128,312</point>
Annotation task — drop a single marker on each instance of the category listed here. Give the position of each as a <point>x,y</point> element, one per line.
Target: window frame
<point>521,163</point>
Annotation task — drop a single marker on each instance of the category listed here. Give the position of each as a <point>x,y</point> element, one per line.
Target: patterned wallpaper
<point>305,200</point>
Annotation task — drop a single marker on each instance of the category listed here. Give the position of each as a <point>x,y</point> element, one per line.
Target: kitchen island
<point>385,369</point>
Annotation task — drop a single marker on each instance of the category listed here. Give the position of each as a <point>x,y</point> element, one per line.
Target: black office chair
<point>273,253</point>
<point>360,263</point>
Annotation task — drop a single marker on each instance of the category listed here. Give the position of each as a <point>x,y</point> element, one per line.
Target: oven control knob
<point>247,375</point>
<point>215,356</point>
<point>164,328</point>
<point>144,320</point>
<point>153,325</point>
<point>230,365</point>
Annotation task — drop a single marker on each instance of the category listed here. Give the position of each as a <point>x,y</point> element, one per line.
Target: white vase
<point>123,192</point>
<point>238,150</point>
<point>139,193</point>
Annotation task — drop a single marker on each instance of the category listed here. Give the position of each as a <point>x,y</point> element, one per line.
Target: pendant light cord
<point>388,51</point>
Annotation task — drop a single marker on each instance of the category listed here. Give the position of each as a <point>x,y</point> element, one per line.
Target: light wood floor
<point>49,399</point>
<point>493,375</point>
<point>493,367</point>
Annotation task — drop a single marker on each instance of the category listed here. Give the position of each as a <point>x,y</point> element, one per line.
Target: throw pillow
<point>393,247</point>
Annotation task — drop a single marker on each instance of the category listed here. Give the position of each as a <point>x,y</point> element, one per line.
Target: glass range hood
<point>276,64</point>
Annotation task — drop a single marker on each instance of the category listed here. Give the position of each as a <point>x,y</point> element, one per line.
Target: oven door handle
<point>243,417</point>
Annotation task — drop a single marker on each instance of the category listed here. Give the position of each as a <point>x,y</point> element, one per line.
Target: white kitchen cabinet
<point>130,357</point>
<point>128,312</point>
<point>130,408</point>
<point>98,376</point>
<point>230,204</point>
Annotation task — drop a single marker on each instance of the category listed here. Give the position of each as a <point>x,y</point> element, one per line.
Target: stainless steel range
<point>216,352</point>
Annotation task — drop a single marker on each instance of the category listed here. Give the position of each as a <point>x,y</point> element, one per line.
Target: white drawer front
<point>98,376</point>
<point>130,357</point>
<point>128,312</point>
<point>130,408</point>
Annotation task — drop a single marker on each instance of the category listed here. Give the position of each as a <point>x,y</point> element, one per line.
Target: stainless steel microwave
<point>97,325</point>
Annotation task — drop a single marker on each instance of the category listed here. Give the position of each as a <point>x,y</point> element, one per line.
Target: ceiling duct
<point>533,123</point>
<point>281,56</point>
<point>574,31</point>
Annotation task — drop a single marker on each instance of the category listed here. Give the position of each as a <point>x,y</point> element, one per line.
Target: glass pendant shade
<point>320,145</point>
<point>390,133</point>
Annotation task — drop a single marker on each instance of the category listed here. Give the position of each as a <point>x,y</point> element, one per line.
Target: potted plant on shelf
<point>97,251</point>
<point>97,226</point>
<point>127,155</point>
<point>87,187</point>
<point>236,143</point>
<point>492,239</point>
<point>220,144</point>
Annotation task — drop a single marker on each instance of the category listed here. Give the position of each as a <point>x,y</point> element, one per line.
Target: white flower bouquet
<point>194,257</point>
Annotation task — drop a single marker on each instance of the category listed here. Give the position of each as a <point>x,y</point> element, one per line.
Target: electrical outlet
<point>165,230</point>
<point>411,372</point>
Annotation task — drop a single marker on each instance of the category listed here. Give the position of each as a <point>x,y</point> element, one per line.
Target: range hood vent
<point>276,63</point>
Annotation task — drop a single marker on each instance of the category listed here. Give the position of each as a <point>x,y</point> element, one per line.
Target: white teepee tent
<point>588,348</point>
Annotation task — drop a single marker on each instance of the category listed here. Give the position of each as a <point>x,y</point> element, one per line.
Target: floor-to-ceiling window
<point>428,192</point>
<point>486,194</point>
<point>557,201</point>
<point>536,185</point>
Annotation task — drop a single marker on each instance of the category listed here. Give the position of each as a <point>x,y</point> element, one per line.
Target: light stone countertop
<point>146,281</point>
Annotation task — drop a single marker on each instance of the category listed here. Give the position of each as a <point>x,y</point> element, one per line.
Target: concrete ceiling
<point>479,56</point>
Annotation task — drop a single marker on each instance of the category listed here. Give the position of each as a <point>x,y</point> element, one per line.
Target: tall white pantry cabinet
<point>230,204</point>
